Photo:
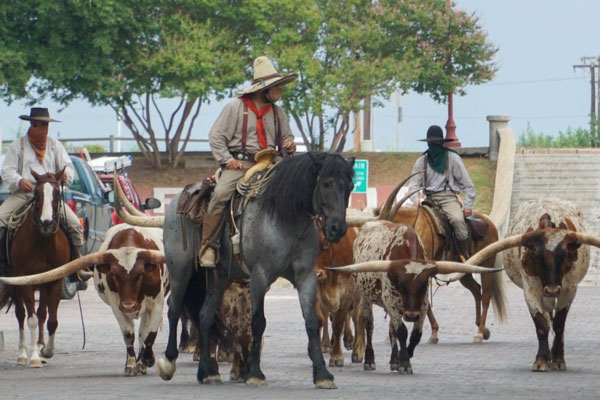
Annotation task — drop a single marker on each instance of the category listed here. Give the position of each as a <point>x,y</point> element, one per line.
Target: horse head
<point>46,201</point>
<point>332,192</point>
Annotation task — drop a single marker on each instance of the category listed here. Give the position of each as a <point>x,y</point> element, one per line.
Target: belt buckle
<point>240,156</point>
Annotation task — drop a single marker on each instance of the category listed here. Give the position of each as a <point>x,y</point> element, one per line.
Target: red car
<point>104,167</point>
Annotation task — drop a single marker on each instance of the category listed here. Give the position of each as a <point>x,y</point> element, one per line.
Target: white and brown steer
<point>393,273</point>
<point>129,276</point>
<point>548,264</point>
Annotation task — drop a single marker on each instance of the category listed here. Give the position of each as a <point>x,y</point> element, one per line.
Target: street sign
<point>361,176</point>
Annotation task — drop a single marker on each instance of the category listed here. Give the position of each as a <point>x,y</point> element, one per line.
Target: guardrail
<point>113,140</point>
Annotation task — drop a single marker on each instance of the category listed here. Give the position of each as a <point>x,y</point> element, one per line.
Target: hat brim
<point>436,140</point>
<point>43,119</point>
<point>263,85</point>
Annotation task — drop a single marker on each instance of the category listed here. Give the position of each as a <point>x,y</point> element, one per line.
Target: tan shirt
<point>226,133</point>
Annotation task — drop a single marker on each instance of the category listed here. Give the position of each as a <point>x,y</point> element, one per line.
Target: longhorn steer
<point>398,285</point>
<point>129,276</point>
<point>548,263</point>
<point>337,295</point>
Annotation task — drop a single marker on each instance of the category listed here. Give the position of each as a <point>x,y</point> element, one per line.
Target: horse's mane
<point>289,192</point>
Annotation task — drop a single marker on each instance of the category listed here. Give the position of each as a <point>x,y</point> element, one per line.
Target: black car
<point>88,198</point>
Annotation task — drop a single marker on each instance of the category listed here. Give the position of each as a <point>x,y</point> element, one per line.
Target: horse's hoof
<point>256,382</point>
<point>22,361</point>
<point>35,363</point>
<point>44,352</point>
<point>356,359</point>
<point>325,384</point>
<point>165,368</point>
<point>130,371</point>
<point>433,340</point>
<point>213,379</point>
<point>478,339</point>
<point>486,334</point>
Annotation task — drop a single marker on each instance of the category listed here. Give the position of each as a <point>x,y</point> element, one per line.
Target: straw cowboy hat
<point>435,135</point>
<point>38,114</point>
<point>266,76</point>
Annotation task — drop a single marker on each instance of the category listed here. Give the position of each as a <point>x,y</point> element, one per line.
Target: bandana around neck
<point>260,126</point>
<point>37,138</point>
<point>436,157</point>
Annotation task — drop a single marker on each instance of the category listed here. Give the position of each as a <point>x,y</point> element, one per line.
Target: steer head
<point>549,254</point>
<point>133,276</point>
<point>410,278</point>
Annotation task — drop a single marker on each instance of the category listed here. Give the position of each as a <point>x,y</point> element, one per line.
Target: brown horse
<point>491,287</point>
<point>38,245</point>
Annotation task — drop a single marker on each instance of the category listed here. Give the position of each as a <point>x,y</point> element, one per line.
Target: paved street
<point>453,369</point>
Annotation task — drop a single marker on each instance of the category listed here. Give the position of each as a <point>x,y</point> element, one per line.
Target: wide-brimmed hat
<point>266,76</point>
<point>38,114</point>
<point>435,134</point>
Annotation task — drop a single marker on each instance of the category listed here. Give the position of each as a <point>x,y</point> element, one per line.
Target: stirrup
<point>208,258</point>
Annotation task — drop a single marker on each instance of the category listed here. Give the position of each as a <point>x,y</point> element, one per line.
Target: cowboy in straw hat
<point>249,124</point>
<point>41,153</point>
<point>443,176</point>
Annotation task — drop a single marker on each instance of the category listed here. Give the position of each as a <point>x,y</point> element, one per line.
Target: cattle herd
<point>546,252</point>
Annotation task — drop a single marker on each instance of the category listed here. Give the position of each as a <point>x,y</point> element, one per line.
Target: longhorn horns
<point>444,267</point>
<point>99,257</point>
<point>132,216</point>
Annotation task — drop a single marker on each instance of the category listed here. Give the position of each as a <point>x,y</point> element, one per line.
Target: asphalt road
<point>453,369</point>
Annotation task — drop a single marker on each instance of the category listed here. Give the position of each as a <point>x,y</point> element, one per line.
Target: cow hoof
<point>559,365</point>
<point>22,361</point>
<point>212,380</point>
<point>336,363</point>
<point>539,366</point>
<point>326,349</point>
<point>325,384</point>
<point>142,368</point>
<point>46,352</point>
<point>165,368</point>
<point>356,359</point>
<point>369,367</point>
<point>256,382</point>
<point>36,363</point>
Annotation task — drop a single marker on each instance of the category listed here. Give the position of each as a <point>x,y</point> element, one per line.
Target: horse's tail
<point>6,296</point>
<point>498,294</point>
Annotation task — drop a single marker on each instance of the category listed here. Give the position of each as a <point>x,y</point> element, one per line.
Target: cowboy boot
<point>211,235</point>
<point>464,249</point>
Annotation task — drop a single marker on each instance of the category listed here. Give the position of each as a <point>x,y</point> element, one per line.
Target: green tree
<point>129,54</point>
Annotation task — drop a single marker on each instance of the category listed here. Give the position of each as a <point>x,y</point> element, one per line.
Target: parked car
<point>89,199</point>
<point>104,168</point>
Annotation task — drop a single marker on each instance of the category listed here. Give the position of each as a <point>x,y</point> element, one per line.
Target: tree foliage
<point>132,55</point>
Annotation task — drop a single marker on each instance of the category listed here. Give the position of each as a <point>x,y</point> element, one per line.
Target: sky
<point>539,41</point>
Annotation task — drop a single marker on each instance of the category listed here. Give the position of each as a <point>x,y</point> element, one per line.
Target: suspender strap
<point>447,174</point>
<point>245,127</point>
<point>277,129</point>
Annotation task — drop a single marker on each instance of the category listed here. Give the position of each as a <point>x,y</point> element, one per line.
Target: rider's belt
<point>429,192</point>
<point>242,155</point>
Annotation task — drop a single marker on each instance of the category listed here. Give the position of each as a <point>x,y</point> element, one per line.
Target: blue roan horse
<point>279,238</point>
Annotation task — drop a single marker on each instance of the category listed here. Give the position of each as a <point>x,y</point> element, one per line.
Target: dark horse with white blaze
<point>39,244</point>
<point>279,237</point>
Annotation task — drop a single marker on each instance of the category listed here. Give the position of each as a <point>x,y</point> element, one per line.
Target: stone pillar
<point>496,122</point>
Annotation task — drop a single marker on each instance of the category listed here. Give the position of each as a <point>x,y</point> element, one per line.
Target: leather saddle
<point>477,228</point>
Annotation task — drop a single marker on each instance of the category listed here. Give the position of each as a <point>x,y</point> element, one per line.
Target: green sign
<point>361,176</point>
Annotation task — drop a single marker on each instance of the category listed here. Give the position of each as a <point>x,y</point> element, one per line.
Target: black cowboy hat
<point>38,114</point>
<point>435,134</point>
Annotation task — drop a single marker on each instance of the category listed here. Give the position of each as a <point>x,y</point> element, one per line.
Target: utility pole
<point>592,63</point>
